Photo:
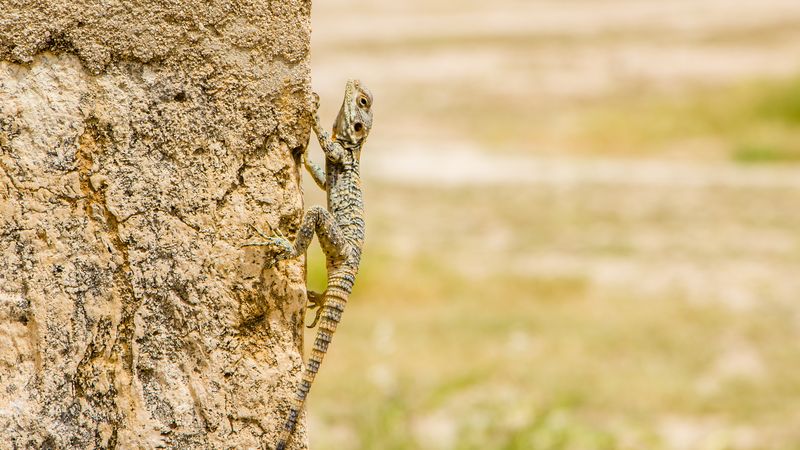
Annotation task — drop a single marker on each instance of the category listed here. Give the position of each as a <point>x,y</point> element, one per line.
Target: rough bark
<point>139,139</point>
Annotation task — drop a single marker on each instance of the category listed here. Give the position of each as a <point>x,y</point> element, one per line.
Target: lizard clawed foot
<point>315,301</point>
<point>278,246</point>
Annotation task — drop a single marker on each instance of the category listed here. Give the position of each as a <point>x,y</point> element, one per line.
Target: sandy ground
<point>537,58</point>
<point>460,165</point>
<point>432,63</point>
<point>666,232</point>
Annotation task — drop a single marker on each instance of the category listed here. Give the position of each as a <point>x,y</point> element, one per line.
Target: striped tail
<point>340,284</point>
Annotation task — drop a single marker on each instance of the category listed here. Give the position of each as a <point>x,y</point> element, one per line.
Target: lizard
<point>340,228</point>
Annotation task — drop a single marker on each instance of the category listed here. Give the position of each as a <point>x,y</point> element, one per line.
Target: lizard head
<point>355,117</point>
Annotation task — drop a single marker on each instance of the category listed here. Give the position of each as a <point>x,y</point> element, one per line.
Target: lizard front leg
<point>317,172</point>
<point>332,149</point>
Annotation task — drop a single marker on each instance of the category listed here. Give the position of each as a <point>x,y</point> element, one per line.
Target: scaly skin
<point>340,228</point>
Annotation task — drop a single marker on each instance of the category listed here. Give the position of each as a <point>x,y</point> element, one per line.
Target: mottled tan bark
<point>138,141</point>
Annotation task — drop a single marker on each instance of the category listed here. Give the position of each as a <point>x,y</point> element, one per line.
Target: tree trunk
<point>139,140</point>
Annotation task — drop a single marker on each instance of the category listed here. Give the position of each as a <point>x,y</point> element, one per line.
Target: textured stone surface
<point>138,141</point>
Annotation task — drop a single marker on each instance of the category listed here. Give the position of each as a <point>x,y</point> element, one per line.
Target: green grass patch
<point>780,102</point>
<point>755,122</point>
<point>765,153</point>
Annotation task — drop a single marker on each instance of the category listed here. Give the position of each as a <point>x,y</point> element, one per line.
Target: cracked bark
<point>136,149</point>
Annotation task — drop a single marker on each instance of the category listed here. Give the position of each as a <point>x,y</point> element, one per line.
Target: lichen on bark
<point>139,140</point>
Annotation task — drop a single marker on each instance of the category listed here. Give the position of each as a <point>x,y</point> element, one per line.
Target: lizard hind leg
<point>315,301</point>
<point>278,246</point>
<point>315,220</point>
<point>318,220</point>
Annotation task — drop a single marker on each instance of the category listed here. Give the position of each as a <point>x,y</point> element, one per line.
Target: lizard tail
<point>339,287</point>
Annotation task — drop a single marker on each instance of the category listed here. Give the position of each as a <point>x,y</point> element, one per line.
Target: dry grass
<point>653,328</point>
<point>574,312</point>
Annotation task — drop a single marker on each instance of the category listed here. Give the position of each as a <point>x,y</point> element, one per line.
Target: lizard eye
<point>358,126</point>
<point>363,101</point>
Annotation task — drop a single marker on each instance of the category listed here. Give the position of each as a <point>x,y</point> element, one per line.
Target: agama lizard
<point>340,228</point>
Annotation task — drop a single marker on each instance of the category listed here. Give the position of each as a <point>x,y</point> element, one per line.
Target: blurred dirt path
<point>549,48</point>
<point>440,165</point>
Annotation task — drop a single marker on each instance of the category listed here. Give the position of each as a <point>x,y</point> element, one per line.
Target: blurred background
<point>583,225</point>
